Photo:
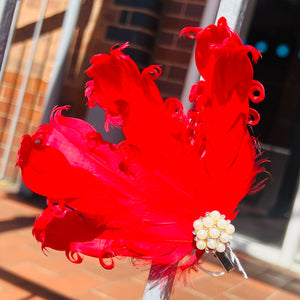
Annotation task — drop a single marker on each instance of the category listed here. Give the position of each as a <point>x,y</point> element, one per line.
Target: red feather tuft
<point>141,197</point>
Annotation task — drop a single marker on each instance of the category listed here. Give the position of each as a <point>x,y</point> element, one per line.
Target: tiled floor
<point>26,273</point>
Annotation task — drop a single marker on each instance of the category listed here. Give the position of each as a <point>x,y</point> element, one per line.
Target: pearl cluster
<point>212,232</point>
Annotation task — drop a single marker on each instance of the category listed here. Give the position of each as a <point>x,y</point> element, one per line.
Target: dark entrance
<point>275,31</point>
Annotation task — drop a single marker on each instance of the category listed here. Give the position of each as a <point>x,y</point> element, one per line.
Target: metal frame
<point>16,115</point>
<point>193,76</point>
<point>4,51</point>
<point>7,11</point>
<point>58,73</point>
<point>234,12</point>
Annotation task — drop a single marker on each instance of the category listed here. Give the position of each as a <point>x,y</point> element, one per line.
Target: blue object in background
<point>261,46</point>
<point>283,50</point>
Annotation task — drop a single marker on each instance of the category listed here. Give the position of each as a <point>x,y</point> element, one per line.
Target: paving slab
<point>27,273</point>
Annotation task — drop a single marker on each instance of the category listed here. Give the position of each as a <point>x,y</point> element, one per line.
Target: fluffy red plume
<point>140,198</point>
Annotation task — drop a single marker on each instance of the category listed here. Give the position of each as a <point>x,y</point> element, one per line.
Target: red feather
<point>141,197</point>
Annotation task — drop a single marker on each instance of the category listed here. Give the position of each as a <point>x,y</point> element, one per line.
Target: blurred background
<point>45,47</point>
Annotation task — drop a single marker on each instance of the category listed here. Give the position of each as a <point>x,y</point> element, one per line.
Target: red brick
<point>25,113</point>
<point>177,73</point>
<point>252,289</point>
<point>121,270</point>
<point>181,293</point>
<point>15,293</point>
<point>165,38</point>
<point>56,262</point>
<point>32,128</point>
<point>32,272</point>
<point>211,286</point>
<point>4,107</point>
<point>185,43</point>
<point>10,77</point>
<point>92,295</point>
<point>4,136</point>
<point>172,7</point>
<point>111,16</point>
<point>224,296</point>
<point>40,101</point>
<point>282,295</point>
<point>178,23</point>
<point>43,87</point>
<point>29,98</point>
<point>8,92</point>
<point>169,89</point>
<point>22,127</point>
<point>16,142</point>
<point>11,109</point>
<point>36,116</point>
<point>194,10</point>
<point>129,290</point>
<point>172,56</point>
<point>75,283</point>
<point>19,80</point>
<point>11,171</point>
<point>33,84</point>
<point>5,122</point>
<point>8,240</point>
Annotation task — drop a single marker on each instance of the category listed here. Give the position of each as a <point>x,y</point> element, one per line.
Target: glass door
<point>268,219</point>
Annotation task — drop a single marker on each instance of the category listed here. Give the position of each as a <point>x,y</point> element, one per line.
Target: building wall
<point>173,52</point>
<point>151,26</point>
<point>13,79</point>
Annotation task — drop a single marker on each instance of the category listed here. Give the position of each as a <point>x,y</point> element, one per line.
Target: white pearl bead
<point>220,247</point>
<point>225,237</point>
<point>198,224</point>
<point>230,229</point>
<point>208,222</point>
<point>202,234</point>
<point>215,215</point>
<point>212,244</point>
<point>201,245</point>
<point>222,223</point>
<point>214,233</point>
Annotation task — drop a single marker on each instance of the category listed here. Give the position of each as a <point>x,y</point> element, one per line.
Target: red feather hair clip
<point>160,194</point>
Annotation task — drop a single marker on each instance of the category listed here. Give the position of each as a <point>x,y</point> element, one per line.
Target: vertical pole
<point>20,99</point>
<point>58,73</point>
<point>193,76</point>
<point>234,12</point>
<point>158,289</point>
<point>6,15</point>
<point>4,53</point>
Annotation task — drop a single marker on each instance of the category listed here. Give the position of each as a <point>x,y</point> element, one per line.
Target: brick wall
<point>117,21</point>
<point>151,26</point>
<point>172,52</point>
<point>33,102</point>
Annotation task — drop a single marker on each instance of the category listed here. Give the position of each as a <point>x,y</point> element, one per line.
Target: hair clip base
<point>226,261</point>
